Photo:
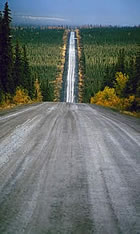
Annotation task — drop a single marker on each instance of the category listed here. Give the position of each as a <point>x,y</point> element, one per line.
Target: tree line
<point>15,72</point>
<point>132,69</point>
<point>44,47</point>
<point>121,84</point>
<point>107,55</point>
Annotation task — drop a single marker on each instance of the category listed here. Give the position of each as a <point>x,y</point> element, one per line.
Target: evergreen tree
<point>82,61</point>
<point>47,90</point>
<point>120,66</point>
<point>133,85</point>
<point>18,67</point>
<point>1,19</point>
<point>6,58</point>
<point>1,87</point>
<point>109,77</point>
<point>28,81</point>
<point>130,89</point>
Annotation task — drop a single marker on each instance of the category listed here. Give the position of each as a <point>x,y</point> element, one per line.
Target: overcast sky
<point>105,12</point>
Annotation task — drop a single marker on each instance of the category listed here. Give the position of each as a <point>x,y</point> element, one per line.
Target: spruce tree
<point>47,90</point>
<point>109,77</point>
<point>1,86</point>
<point>18,67</point>
<point>120,66</point>
<point>28,81</point>
<point>130,90</point>
<point>1,19</point>
<point>133,85</point>
<point>6,57</point>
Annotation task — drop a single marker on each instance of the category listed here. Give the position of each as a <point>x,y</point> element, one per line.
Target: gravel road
<point>69,169</point>
<point>71,69</point>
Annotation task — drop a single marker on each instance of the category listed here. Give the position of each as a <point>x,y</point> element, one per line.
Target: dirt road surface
<point>70,169</point>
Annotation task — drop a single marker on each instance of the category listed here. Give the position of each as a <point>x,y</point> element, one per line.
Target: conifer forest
<point>107,53</point>
<point>31,61</point>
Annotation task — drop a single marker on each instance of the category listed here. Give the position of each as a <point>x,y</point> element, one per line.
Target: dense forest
<point>15,75</point>
<point>108,53</point>
<point>44,48</point>
<point>27,73</point>
<point>109,64</point>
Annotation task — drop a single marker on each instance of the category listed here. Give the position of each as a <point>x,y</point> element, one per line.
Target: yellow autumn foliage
<point>109,98</point>
<point>113,97</point>
<point>120,84</point>
<point>21,96</point>
<point>125,103</point>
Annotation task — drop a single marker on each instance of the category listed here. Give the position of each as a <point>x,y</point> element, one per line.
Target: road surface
<point>69,169</point>
<point>70,97</point>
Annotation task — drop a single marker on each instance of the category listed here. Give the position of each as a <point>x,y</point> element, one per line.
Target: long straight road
<point>70,97</point>
<point>69,169</point>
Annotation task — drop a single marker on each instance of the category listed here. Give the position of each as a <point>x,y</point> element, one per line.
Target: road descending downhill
<point>69,169</point>
<point>70,97</point>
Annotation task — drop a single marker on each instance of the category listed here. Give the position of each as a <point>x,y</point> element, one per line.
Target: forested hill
<point>111,58</point>
<point>14,66</point>
<point>109,64</point>
<point>30,60</point>
<point>44,48</point>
